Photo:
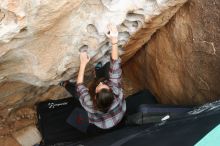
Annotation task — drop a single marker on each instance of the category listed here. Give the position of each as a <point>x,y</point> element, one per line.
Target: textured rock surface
<point>40,40</point>
<point>181,62</point>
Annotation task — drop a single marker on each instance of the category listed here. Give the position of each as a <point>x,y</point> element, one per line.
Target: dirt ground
<point>19,119</point>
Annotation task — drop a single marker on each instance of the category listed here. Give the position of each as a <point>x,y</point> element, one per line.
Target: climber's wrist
<point>83,64</point>
<point>114,41</point>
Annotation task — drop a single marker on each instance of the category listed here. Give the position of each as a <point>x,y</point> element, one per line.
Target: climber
<point>107,107</point>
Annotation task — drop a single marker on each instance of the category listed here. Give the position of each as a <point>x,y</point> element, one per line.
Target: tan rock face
<point>181,63</point>
<point>40,40</point>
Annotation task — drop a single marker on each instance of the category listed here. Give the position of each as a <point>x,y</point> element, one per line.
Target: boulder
<point>180,64</point>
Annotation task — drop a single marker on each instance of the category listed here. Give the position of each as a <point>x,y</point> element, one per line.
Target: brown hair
<point>103,99</point>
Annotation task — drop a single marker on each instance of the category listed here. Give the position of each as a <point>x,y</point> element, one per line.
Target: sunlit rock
<point>40,40</point>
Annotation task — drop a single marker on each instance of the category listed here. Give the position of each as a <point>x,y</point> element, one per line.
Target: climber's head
<point>104,97</point>
<point>101,86</point>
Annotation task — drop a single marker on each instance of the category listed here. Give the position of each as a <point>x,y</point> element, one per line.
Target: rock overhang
<point>42,44</point>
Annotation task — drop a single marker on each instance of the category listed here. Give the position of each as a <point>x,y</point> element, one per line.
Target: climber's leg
<point>70,87</point>
<point>102,71</point>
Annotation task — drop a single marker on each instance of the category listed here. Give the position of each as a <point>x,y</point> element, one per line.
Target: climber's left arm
<point>84,59</point>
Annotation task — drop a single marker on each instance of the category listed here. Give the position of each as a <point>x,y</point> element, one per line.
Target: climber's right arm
<point>113,37</point>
